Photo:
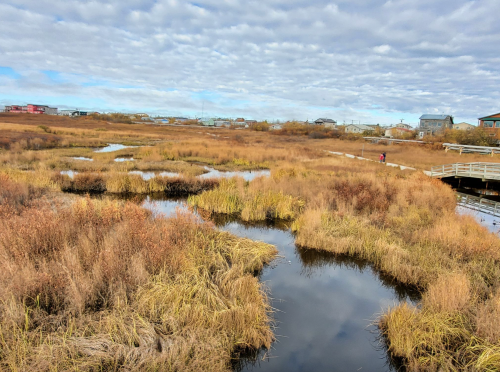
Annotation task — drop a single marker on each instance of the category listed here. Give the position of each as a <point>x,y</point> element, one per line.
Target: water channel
<point>325,305</point>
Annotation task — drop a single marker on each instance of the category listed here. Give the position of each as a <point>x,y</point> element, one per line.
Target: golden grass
<point>104,285</point>
<point>234,197</point>
<point>418,156</point>
<point>401,221</point>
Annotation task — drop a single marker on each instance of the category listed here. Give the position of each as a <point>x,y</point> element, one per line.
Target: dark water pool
<point>325,305</point>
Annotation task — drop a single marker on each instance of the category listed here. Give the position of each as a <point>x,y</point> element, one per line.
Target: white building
<point>358,128</point>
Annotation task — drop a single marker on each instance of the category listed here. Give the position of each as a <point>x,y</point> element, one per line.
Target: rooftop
<point>434,117</point>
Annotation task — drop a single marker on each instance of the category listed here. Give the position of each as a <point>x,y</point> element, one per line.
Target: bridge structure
<point>473,183</point>
<point>483,171</point>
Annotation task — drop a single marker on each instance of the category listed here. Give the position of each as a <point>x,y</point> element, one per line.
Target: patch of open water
<point>325,304</point>
<point>246,175</point>
<point>113,147</point>
<point>69,173</point>
<point>213,173</point>
<point>148,175</point>
<point>82,158</point>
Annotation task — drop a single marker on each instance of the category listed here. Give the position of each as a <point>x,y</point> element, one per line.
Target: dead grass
<point>401,221</point>
<point>418,156</point>
<point>103,285</point>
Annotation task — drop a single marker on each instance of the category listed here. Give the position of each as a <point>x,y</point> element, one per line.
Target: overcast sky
<point>374,61</point>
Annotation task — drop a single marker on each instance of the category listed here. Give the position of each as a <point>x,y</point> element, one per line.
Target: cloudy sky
<point>373,61</point>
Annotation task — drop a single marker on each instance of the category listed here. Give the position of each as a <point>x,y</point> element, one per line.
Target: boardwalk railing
<point>478,204</point>
<point>485,171</point>
<point>469,149</point>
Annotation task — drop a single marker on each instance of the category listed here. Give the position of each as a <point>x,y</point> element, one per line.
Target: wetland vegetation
<point>105,284</point>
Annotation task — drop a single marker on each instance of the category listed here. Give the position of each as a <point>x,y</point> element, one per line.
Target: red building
<point>31,109</point>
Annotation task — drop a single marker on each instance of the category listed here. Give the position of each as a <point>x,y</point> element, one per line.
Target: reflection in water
<point>149,175</point>
<point>325,305</point>
<point>113,147</point>
<point>246,175</point>
<point>492,223</point>
<point>69,173</point>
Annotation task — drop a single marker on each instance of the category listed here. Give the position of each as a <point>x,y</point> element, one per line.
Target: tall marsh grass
<point>234,197</point>
<point>102,285</point>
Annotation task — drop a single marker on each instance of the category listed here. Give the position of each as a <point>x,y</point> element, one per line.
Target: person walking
<point>384,156</point>
<point>381,158</point>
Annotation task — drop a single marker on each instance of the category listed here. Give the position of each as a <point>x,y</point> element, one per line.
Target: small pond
<point>247,175</point>
<point>148,175</point>
<point>325,304</point>
<point>82,158</point>
<point>113,147</point>
<point>69,173</point>
<point>120,160</point>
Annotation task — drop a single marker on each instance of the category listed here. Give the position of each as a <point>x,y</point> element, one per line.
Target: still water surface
<point>113,147</point>
<point>325,305</point>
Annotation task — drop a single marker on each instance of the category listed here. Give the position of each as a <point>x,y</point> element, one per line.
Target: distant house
<point>75,113</point>
<point>358,128</point>
<point>275,127</point>
<point>490,122</point>
<point>431,124</point>
<point>328,123</point>
<point>31,109</point>
<point>240,120</point>
<point>72,113</point>
<point>208,122</point>
<point>403,125</point>
<point>247,122</point>
<point>463,126</point>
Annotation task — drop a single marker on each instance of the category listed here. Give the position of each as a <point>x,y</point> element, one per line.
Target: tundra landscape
<point>92,279</point>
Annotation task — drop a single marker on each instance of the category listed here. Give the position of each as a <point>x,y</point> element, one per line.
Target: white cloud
<point>382,49</point>
<point>281,58</point>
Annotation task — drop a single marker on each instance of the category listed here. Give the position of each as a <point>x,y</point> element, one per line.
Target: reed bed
<point>102,285</point>
<point>234,197</point>
<point>125,183</point>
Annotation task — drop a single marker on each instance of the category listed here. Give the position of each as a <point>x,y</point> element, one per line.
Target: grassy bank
<point>101,285</point>
<point>124,183</point>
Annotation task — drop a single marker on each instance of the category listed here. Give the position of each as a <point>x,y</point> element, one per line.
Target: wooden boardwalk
<point>483,171</point>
